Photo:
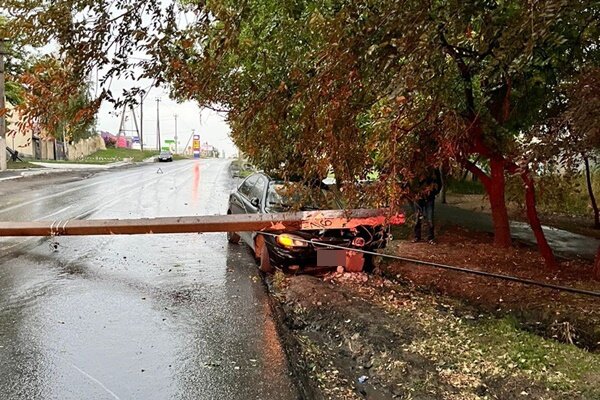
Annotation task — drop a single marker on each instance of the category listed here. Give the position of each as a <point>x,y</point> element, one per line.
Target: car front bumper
<point>305,257</point>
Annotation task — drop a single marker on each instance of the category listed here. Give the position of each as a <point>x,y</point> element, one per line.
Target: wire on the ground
<point>457,269</point>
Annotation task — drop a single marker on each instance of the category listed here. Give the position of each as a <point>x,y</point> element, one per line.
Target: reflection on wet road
<point>135,317</point>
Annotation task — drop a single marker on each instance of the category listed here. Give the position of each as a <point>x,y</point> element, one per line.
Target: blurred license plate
<point>331,258</point>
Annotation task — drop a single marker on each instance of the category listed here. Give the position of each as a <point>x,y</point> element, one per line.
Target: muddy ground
<point>553,314</point>
<point>411,332</point>
<point>356,336</point>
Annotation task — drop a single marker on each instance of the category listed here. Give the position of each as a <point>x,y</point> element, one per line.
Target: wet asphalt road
<point>135,317</point>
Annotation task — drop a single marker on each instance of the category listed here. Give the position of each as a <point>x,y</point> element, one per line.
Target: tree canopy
<point>362,87</point>
<point>56,101</point>
<point>388,86</point>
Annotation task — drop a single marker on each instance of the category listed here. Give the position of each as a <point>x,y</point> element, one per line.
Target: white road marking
<point>54,213</point>
<point>93,210</point>
<point>96,381</point>
<point>120,197</point>
<point>50,196</point>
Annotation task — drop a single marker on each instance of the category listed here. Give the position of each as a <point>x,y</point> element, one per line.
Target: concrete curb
<point>75,166</point>
<point>9,178</point>
<point>34,172</point>
<point>51,168</point>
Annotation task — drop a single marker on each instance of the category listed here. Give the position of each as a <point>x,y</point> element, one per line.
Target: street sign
<point>196,146</point>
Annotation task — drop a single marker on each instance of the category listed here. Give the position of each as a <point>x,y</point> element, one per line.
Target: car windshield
<point>165,153</point>
<point>282,197</point>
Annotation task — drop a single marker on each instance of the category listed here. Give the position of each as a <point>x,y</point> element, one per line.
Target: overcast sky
<point>211,125</point>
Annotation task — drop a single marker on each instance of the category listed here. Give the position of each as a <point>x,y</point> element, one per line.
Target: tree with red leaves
<point>56,101</point>
<point>357,86</point>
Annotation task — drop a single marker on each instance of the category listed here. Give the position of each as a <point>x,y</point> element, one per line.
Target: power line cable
<point>511,278</point>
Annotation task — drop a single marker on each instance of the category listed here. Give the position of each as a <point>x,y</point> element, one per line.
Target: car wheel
<point>265,260</point>
<point>233,237</point>
<point>261,254</point>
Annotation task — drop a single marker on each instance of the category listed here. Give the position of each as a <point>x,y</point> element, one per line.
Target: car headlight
<point>290,241</point>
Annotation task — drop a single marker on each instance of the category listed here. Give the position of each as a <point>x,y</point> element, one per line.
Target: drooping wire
<point>511,278</point>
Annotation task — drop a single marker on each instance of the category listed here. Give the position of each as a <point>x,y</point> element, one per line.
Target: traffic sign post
<point>196,146</point>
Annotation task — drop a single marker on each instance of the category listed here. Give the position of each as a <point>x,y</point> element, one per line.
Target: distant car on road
<point>259,194</point>
<point>165,156</point>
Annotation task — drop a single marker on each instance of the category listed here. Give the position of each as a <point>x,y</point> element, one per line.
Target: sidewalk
<point>562,241</point>
<point>54,168</point>
<point>78,166</point>
<point>22,173</point>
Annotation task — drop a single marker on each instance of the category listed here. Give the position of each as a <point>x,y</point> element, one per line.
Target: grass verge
<point>21,165</point>
<point>118,154</point>
<point>110,155</point>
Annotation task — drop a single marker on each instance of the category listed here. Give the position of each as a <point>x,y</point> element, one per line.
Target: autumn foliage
<point>364,89</point>
<point>56,102</point>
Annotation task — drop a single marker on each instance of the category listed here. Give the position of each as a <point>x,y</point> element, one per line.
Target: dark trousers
<point>424,211</point>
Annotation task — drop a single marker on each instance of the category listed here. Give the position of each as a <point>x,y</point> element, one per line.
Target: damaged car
<point>301,250</point>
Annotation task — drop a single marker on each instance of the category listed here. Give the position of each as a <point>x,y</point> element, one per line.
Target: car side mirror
<point>255,202</point>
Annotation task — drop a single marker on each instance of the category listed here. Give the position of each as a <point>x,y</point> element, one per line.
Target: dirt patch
<point>356,336</point>
<point>566,317</point>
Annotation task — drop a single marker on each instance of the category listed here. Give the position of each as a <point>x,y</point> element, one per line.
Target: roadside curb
<point>10,178</point>
<point>291,347</point>
<point>28,173</point>
<point>75,166</point>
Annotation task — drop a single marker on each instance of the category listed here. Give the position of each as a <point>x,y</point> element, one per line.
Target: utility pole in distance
<point>175,133</point>
<point>158,124</point>
<point>188,142</point>
<point>142,121</point>
<point>3,165</point>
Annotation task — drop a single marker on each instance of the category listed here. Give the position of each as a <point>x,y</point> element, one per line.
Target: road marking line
<point>38,219</point>
<point>16,206</point>
<point>54,213</point>
<point>97,381</point>
<point>93,210</point>
<point>122,195</point>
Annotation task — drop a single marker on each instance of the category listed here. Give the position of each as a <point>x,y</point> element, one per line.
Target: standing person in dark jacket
<point>430,186</point>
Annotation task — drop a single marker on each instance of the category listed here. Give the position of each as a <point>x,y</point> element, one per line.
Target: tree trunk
<point>596,272</point>
<point>444,189</point>
<point>535,224</point>
<point>588,178</point>
<point>495,189</point>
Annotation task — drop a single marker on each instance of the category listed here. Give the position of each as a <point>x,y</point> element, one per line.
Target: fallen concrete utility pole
<point>292,221</point>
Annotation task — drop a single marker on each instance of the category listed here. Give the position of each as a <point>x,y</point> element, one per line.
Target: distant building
<point>208,151</point>
<point>109,139</point>
<point>29,140</point>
